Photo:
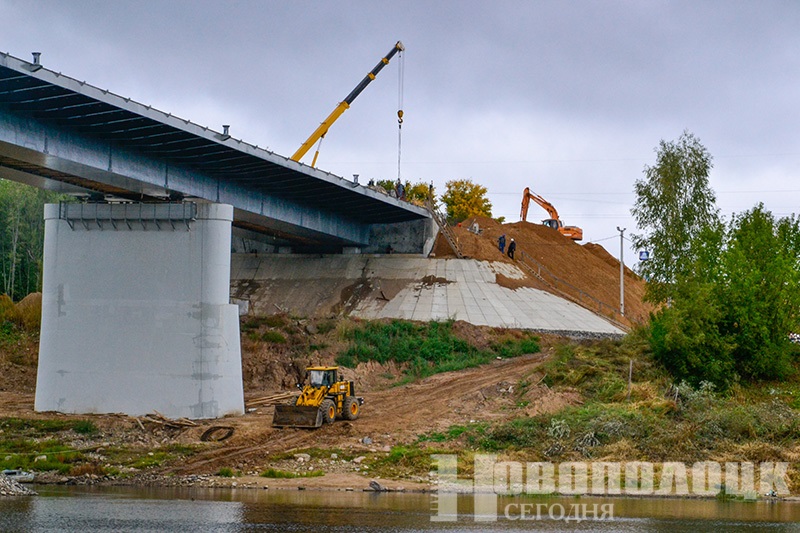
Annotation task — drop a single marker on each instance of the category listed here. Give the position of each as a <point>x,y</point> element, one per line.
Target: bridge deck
<point>51,105</point>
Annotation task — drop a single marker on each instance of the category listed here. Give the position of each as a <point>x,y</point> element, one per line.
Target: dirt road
<point>390,416</point>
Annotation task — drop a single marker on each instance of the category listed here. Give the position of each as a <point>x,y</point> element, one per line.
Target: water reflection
<point>200,510</point>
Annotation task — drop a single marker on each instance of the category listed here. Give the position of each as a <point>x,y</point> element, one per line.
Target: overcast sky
<point>569,98</point>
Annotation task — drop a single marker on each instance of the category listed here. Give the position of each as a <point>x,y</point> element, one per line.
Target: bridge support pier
<point>135,311</point>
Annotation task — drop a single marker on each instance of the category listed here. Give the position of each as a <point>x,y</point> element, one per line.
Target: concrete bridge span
<point>136,314</point>
<point>62,134</point>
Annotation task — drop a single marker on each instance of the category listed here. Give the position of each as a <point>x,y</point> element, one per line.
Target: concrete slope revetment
<point>405,287</point>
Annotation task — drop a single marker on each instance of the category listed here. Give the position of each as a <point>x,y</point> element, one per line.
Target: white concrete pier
<point>135,311</point>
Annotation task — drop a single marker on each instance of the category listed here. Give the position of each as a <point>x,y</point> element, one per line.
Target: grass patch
<point>314,453</point>
<point>34,427</point>
<point>225,472</point>
<point>274,473</point>
<point>405,461</point>
<point>154,458</point>
<point>273,336</point>
<point>85,427</point>
<point>424,349</point>
<point>451,433</point>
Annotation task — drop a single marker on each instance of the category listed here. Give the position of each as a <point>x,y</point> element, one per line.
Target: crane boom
<point>323,128</point>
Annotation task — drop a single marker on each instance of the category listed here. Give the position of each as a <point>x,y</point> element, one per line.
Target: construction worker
<point>501,243</point>
<point>512,247</point>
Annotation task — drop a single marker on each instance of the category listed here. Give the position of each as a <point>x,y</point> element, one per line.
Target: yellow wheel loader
<point>322,400</point>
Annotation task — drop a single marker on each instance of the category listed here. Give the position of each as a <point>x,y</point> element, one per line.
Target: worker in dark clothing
<point>501,243</point>
<point>512,247</point>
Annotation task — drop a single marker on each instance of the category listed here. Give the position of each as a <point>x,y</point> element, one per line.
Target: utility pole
<point>621,271</point>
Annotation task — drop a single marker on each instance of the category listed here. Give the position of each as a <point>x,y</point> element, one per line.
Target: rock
<point>9,487</point>
<point>302,457</point>
<point>40,458</point>
<point>366,440</point>
<point>334,456</point>
<point>377,487</point>
<point>358,459</point>
<point>311,329</point>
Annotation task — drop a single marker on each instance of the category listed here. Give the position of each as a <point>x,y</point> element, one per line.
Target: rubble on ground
<point>9,487</point>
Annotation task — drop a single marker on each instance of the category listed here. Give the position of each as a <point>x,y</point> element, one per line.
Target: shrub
<point>282,474</point>
<point>7,309</point>
<point>275,321</point>
<point>85,427</point>
<point>273,336</point>
<point>29,312</point>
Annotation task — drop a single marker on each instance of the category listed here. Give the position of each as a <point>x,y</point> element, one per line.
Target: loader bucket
<point>297,416</point>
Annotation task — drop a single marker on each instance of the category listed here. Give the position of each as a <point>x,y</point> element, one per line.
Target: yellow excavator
<point>572,232</point>
<point>343,106</point>
<point>323,399</point>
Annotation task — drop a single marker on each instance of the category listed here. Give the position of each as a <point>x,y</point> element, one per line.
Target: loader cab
<point>322,376</point>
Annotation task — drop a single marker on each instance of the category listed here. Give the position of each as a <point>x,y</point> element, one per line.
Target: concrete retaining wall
<point>407,287</point>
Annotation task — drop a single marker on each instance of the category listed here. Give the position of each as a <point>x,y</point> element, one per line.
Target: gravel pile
<point>9,487</point>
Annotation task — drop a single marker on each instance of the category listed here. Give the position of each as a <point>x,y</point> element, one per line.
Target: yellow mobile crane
<point>323,128</point>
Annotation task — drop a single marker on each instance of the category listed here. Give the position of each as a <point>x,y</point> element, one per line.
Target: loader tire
<point>328,411</point>
<point>351,408</point>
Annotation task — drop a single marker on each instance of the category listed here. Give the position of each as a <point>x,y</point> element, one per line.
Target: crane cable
<point>401,68</point>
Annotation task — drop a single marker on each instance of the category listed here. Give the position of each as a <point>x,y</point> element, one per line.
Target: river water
<point>200,510</point>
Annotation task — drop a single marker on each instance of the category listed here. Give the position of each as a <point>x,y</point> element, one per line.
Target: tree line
<point>726,291</point>
<point>22,237</point>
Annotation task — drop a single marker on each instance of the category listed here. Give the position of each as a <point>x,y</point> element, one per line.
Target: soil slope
<point>587,268</point>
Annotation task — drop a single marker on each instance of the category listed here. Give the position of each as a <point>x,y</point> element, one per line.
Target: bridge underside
<point>64,135</point>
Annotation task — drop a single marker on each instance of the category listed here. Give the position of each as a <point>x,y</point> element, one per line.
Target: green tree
<point>685,336</point>
<point>674,204</point>
<point>732,308</point>
<point>419,192</point>
<point>21,237</point>
<point>760,291</point>
<point>464,199</point>
<point>415,192</point>
<point>388,185</point>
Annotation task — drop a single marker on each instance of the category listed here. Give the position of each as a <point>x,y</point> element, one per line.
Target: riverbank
<point>523,398</point>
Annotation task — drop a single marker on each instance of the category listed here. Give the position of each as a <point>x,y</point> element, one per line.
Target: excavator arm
<point>323,128</point>
<point>571,232</point>
<point>527,196</point>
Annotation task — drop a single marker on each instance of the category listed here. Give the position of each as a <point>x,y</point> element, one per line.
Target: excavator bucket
<point>297,416</point>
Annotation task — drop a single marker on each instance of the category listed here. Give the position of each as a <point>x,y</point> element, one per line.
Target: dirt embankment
<point>588,267</point>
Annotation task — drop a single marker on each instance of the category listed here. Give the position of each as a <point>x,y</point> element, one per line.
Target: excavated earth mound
<point>588,268</point>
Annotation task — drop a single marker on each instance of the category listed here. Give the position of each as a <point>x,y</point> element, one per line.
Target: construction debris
<point>272,399</point>
<point>158,418</point>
